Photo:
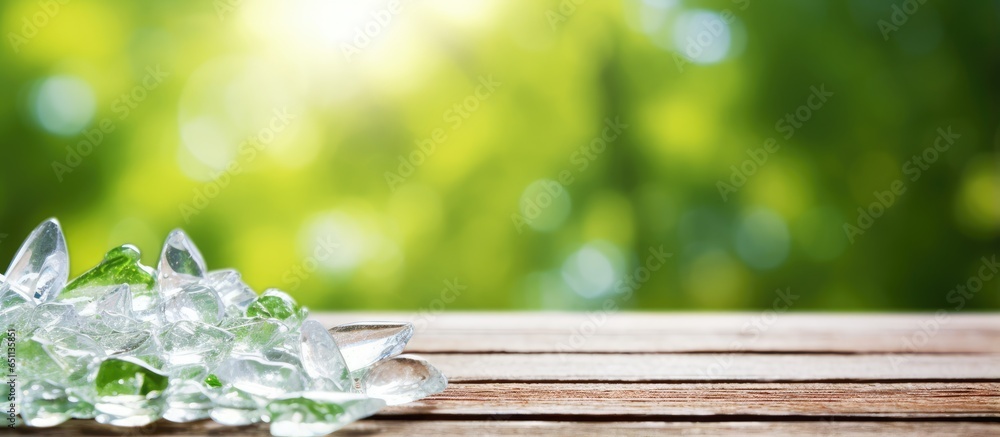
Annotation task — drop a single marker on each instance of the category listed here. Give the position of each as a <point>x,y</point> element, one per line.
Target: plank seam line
<point>680,418</point>
<point>700,352</point>
<point>942,381</point>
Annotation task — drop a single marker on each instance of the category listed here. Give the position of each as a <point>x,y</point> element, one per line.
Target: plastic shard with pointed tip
<point>41,265</point>
<point>180,263</point>
<point>364,344</point>
<point>236,295</point>
<point>196,303</point>
<point>127,345</point>
<point>112,312</point>
<point>321,358</point>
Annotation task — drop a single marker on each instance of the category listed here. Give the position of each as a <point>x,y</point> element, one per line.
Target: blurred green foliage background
<point>421,138</point>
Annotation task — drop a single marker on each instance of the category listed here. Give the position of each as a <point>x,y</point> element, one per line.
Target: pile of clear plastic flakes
<point>127,345</point>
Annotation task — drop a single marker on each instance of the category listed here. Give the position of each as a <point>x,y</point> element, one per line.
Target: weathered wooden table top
<point>671,373</point>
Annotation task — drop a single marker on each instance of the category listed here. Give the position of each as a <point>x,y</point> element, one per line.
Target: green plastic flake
<point>276,304</point>
<point>212,381</point>
<point>129,392</point>
<point>121,265</point>
<point>129,377</point>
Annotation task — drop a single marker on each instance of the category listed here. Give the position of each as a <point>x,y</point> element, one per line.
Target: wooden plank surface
<point>715,401</point>
<point>686,332</point>
<point>683,373</point>
<point>720,367</point>
<point>505,428</point>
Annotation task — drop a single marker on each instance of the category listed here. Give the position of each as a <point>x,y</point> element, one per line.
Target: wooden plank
<point>714,367</point>
<point>604,429</point>
<point>793,374</point>
<point>688,321</point>
<point>694,401</point>
<point>639,332</point>
<point>507,428</point>
<point>875,342</point>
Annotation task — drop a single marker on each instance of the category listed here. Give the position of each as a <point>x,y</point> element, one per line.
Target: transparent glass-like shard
<point>114,312</point>
<point>188,401</point>
<point>283,356</point>
<point>189,342</point>
<point>146,304</point>
<point>321,358</point>
<point>196,303</point>
<point>236,295</point>
<point>277,304</point>
<point>244,386</point>
<point>142,345</point>
<point>319,413</point>
<point>82,398</point>
<point>116,302</point>
<point>403,379</point>
<point>180,263</point>
<point>234,407</point>
<point>14,305</point>
<point>187,394</point>
<point>119,343</point>
<point>36,361</point>
<point>45,404</point>
<point>51,314</point>
<point>41,265</point>
<point>61,355</point>
<point>259,377</point>
<point>84,299</point>
<point>254,336</point>
<point>129,392</point>
<point>364,344</point>
<point>290,343</point>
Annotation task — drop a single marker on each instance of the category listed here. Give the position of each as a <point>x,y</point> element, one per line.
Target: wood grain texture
<point>721,367</point>
<point>686,332</point>
<point>509,428</point>
<point>505,428</point>
<point>687,321</point>
<point>715,401</point>
<point>744,374</point>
